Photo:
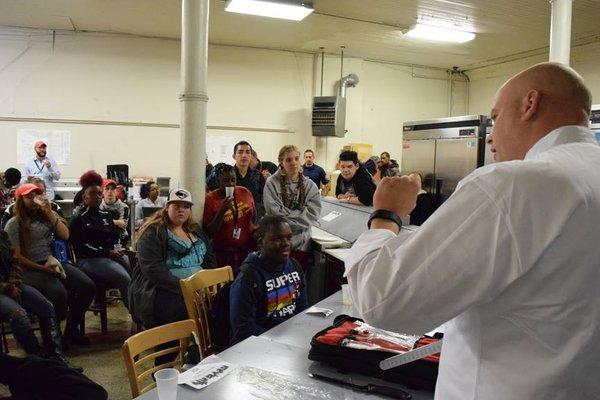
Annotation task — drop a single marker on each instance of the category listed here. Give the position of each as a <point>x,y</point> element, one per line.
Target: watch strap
<point>385,214</point>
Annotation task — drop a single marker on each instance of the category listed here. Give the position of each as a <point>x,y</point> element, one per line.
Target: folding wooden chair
<point>199,291</point>
<point>140,367</point>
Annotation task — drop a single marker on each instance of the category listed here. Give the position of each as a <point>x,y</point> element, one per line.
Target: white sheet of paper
<point>320,311</point>
<point>207,372</point>
<point>331,216</point>
<point>219,148</point>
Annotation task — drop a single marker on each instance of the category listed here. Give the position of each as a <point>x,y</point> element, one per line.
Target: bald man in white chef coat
<point>511,261</point>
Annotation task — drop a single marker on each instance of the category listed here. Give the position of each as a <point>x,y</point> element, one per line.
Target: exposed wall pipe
<point>322,67</point>
<point>342,62</point>
<point>455,75</point>
<point>320,143</point>
<point>193,98</point>
<point>560,31</point>
<point>450,99</point>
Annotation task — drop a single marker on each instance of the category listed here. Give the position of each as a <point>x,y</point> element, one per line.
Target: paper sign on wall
<point>220,148</point>
<point>58,142</point>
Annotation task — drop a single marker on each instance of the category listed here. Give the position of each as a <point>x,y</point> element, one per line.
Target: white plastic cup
<point>166,383</point>
<point>118,247</point>
<point>346,299</point>
<point>229,191</point>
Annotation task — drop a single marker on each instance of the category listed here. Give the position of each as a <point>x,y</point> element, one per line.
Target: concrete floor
<point>102,360</point>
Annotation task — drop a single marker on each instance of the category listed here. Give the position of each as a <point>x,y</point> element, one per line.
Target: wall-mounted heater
<point>329,116</point>
<point>329,112</point>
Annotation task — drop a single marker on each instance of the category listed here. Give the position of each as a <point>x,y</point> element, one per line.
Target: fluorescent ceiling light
<point>290,9</point>
<point>439,33</point>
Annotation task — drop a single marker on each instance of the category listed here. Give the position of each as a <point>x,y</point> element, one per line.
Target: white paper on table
<point>331,216</point>
<point>207,372</point>
<point>320,311</point>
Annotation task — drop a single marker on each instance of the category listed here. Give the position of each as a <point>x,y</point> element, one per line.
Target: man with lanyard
<point>43,167</point>
<point>509,263</point>
<point>229,213</point>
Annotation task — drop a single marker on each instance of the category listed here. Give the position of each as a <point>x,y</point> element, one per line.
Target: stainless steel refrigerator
<point>444,150</point>
<point>595,121</point>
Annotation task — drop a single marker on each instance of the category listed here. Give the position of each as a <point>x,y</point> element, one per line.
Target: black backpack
<point>218,314</point>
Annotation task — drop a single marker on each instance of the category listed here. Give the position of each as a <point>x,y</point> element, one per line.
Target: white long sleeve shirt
<point>139,212</point>
<point>512,261</point>
<point>36,167</point>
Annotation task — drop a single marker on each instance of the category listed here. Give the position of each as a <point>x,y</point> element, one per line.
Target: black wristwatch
<point>385,214</point>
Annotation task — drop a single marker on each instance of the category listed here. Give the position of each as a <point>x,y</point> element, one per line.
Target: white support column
<point>560,31</point>
<point>193,98</point>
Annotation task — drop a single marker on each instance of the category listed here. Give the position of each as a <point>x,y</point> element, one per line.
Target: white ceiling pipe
<point>193,98</point>
<point>560,31</point>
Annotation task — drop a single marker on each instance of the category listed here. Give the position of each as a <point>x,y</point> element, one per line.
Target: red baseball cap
<point>26,188</point>
<point>106,182</point>
<point>39,143</point>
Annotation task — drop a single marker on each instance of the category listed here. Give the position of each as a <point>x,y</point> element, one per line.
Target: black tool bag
<point>420,374</point>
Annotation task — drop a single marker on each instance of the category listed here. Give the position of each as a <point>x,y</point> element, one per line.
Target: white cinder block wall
<point>102,77</point>
<point>116,78</point>
<point>119,78</point>
<point>486,81</point>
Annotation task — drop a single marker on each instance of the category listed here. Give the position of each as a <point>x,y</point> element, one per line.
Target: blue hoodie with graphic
<point>262,296</point>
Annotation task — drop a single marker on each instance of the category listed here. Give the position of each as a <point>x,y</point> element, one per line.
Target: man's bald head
<point>561,85</point>
<point>534,103</point>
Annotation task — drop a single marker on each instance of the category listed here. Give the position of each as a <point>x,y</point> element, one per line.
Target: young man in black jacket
<point>249,177</point>
<point>354,185</point>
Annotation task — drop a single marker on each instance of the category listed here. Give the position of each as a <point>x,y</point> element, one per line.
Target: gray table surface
<point>282,350</point>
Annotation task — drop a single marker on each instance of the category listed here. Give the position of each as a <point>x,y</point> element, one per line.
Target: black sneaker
<point>63,359</point>
<point>76,339</point>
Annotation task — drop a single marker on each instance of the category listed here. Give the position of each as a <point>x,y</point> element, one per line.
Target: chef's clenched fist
<point>397,194</point>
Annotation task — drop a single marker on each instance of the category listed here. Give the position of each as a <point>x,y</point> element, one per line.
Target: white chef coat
<point>36,167</point>
<point>512,261</point>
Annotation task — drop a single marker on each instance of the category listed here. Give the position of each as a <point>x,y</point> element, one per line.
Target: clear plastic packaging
<point>267,385</point>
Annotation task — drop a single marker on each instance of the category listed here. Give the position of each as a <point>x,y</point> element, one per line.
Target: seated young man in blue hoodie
<point>270,286</point>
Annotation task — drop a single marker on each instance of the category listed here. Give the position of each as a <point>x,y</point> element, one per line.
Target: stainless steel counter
<point>282,350</point>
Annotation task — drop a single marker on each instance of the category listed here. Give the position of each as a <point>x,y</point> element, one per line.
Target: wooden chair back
<point>199,291</point>
<point>140,367</point>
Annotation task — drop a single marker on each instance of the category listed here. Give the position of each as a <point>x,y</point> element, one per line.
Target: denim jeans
<point>32,301</point>
<point>108,272</point>
<point>76,292</point>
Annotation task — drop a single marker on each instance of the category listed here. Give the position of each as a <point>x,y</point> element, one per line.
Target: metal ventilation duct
<point>350,80</point>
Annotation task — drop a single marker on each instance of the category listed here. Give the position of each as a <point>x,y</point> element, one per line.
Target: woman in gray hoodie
<point>291,195</point>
